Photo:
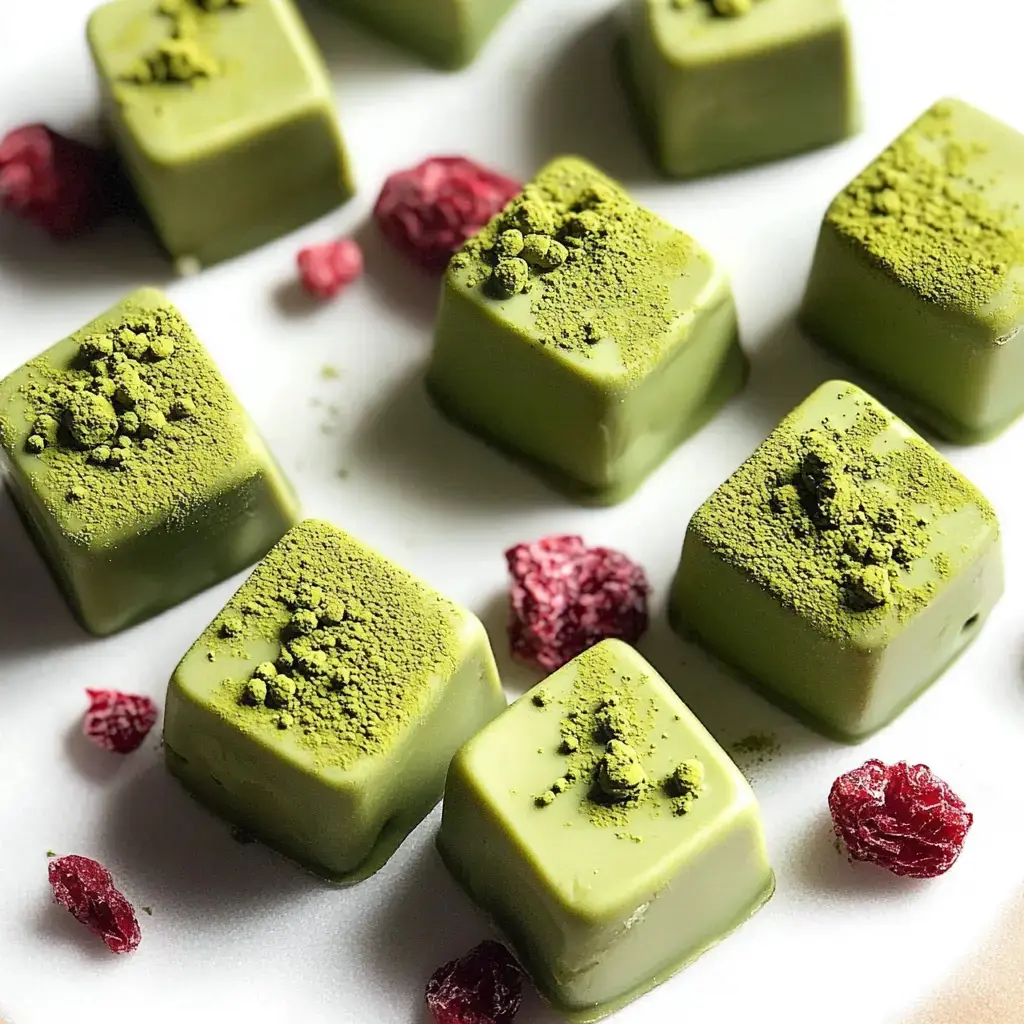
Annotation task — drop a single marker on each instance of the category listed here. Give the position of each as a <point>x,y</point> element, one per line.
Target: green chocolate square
<point>139,474</point>
<point>715,92</point>
<point>446,33</point>
<point>842,567</point>
<point>621,344</point>
<point>604,898</point>
<point>918,276</point>
<point>320,709</point>
<point>233,141</point>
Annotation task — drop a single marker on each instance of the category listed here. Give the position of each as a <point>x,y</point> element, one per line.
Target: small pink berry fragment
<point>117,721</point>
<point>327,269</point>
<point>483,987</point>
<point>61,185</point>
<point>566,598</point>
<point>427,212</point>
<point>900,817</point>
<point>84,887</point>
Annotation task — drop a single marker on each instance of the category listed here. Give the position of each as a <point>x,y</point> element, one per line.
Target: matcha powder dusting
<point>134,427</point>
<point>359,644</point>
<point>593,264</point>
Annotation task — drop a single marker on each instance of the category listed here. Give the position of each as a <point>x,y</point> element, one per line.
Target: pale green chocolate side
<point>602,901</point>
<point>857,615</point>
<point>610,360</point>
<point>182,510</point>
<point>714,93</point>
<point>446,33</point>
<point>318,712</point>
<point>918,276</point>
<point>234,157</point>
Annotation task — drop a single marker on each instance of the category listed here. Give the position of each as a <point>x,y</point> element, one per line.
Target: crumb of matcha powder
<point>606,733</point>
<point>593,264</point>
<point>358,643</point>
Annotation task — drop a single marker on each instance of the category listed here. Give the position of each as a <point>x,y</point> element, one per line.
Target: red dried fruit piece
<point>118,721</point>
<point>428,211</point>
<point>483,987</point>
<point>327,269</point>
<point>567,597</point>
<point>84,887</point>
<point>900,817</point>
<point>63,186</point>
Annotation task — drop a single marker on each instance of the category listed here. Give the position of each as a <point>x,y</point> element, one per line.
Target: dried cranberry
<point>900,817</point>
<point>567,597</point>
<point>84,887</point>
<point>118,721</point>
<point>327,269</point>
<point>483,987</point>
<point>428,211</point>
<point>61,185</point>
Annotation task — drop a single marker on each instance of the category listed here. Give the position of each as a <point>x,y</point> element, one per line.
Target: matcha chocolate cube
<point>720,84</point>
<point>135,468</point>
<point>606,832</point>
<point>917,275</point>
<point>320,709</point>
<point>841,568</point>
<point>445,33</point>
<point>224,117</point>
<point>583,334</point>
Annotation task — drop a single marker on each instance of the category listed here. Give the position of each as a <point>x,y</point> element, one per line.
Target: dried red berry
<point>61,185</point>
<point>900,817</point>
<point>567,597</point>
<point>483,987</point>
<point>118,721</point>
<point>428,211</point>
<point>84,887</point>
<point>327,269</point>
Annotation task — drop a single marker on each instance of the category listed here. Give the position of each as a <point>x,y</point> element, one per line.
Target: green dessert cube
<point>720,84</point>
<point>446,33</point>
<point>917,275</point>
<point>585,335</point>
<point>320,709</point>
<point>223,114</point>
<point>139,474</point>
<point>842,567</point>
<point>606,832</point>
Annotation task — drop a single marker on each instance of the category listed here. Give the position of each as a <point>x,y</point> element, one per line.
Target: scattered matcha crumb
<point>620,773</point>
<point>51,853</point>
<point>836,521</point>
<point>595,264</point>
<point>173,60</point>
<point>722,8</point>
<point>329,372</point>
<point>928,216</point>
<point>232,625</point>
<point>684,784</point>
<point>541,698</point>
<point>755,748</point>
<point>148,910</point>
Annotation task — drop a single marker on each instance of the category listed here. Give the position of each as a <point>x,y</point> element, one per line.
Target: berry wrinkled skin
<point>84,887</point>
<point>566,597</point>
<point>483,987</point>
<point>63,186</point>
<point>325,270</point>
<point>118,722</point>
<point>427,212</point>
<point>900,817</point>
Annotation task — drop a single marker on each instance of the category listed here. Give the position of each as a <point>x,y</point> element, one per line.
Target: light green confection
<point>865,560</point>
<point>446,33</point>
<point>720,84</point>
<point>596,350</point>
<point>605,831</point>
<point>138,473</point>
<point>918,276</point>
<point>318,712</point>
<point>224,117</point>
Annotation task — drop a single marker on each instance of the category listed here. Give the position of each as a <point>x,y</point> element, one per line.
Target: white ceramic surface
<point>238,934</point>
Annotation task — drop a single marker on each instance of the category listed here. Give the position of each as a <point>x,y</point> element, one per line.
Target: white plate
<point>238,934</point>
